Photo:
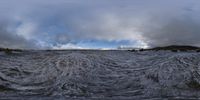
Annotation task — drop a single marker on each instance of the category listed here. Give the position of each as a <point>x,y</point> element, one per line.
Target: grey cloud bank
<point>53,24</point>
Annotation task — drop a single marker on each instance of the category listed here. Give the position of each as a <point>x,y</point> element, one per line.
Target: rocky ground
<point>95,74</point>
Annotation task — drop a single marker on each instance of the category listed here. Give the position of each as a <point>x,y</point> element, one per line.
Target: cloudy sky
<point>62,24</point>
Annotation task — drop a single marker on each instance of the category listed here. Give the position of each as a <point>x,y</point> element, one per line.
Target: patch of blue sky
<point>97,44</point>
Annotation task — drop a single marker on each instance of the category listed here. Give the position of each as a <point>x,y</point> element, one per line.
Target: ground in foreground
<point>100,75</point>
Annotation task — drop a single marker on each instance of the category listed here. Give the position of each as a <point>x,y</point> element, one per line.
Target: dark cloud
<point>175,32</point>
<point>181,28</point>
<point>10,40</point>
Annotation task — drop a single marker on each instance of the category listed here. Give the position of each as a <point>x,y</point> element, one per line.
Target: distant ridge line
<point>173,48</point>
<point>176,47</point>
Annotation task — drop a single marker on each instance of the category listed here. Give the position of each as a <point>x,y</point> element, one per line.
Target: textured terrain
<point>99,75</point>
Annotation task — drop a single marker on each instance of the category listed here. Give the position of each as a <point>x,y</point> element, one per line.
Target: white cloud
<point>67,46</point>
<point>26,30</point>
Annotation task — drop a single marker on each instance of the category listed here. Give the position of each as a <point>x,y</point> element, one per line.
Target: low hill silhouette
<point>10,51</point>
<point>6,49</point>
<point>173,48</point>
<point>177,47</point>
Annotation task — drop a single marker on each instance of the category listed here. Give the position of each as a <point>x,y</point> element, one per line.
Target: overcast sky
<point>62,24</point>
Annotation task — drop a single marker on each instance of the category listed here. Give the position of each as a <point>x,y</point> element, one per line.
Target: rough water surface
<point>47,75</point>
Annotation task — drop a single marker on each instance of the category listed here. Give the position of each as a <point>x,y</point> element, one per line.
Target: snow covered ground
<point>100,75</point>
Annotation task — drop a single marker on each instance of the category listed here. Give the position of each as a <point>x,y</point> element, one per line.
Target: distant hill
<point>173,48</point>
<point>6,49</point>
<point>10,51</point>
<point>177,47</point>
